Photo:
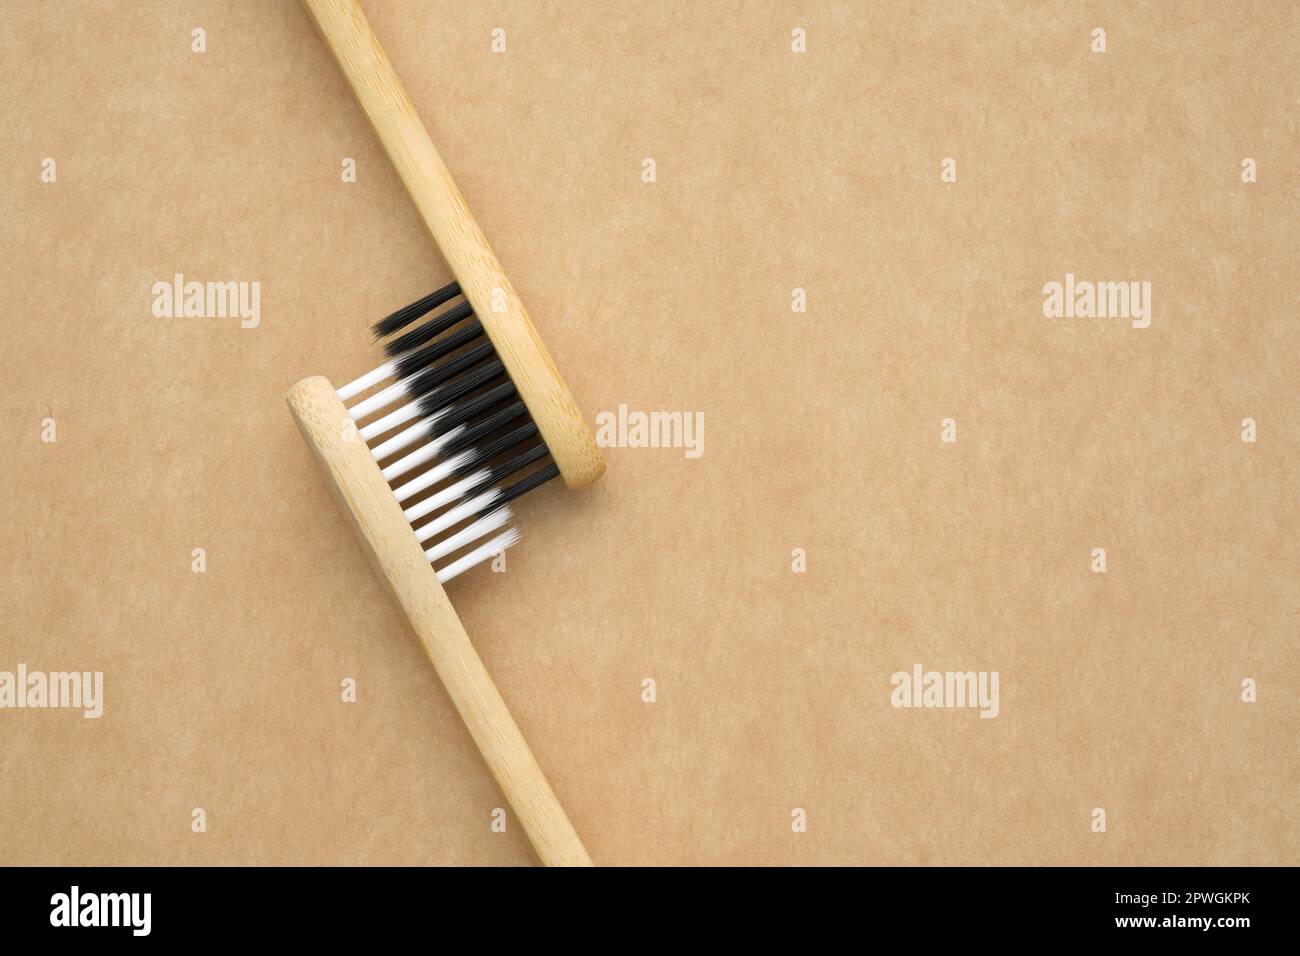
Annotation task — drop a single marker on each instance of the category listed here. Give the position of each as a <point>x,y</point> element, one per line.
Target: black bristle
<point>413,362</point>
<point>523,460</point>
<point>522,487</point>
<point>475,406</point>
<point>430,379</point>
<point>440,398</point>
<point>429,331</point>
<point>409,313</point>
<point>489,451</point>
<point>471,435</point>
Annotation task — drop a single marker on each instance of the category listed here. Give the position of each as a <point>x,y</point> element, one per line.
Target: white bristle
<point>378,400</point>
<point>454,516</point>
<point>434,475</point>
<point>485,525</point>
<point>479,555</point>
<point>446,496</point>
<point>357,386</point>
<point>407,437</point>
<point>389,422</point>
<point>420,455</point>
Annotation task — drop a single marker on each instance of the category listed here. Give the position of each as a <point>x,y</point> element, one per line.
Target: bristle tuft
<point>479,555</point>
<point>429,331</point>
<point>409,313</point>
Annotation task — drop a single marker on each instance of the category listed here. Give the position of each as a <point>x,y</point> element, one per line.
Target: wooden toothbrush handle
<point>496,304</point>
<point>392,546</point>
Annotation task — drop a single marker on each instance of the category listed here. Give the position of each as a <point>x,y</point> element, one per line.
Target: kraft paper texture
<point>840,263</point>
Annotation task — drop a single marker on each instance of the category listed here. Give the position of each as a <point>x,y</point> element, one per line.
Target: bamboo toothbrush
<point>471,386</point>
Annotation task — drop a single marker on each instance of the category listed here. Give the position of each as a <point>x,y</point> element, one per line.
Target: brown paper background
<point>774,171</point>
